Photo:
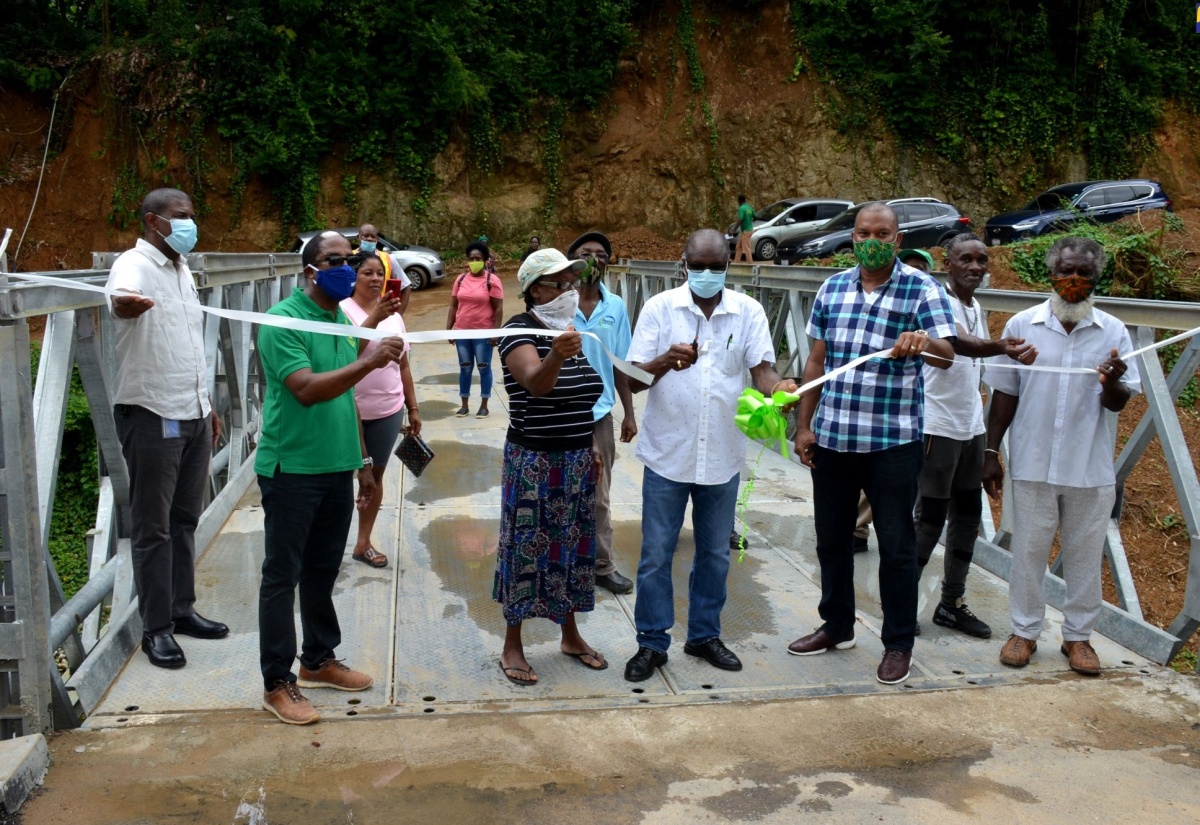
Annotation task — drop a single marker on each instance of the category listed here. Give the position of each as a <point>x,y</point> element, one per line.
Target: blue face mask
<point>706,282</point>
<point>183,234</point>
<point>337,282</point>
<point>367,246</point>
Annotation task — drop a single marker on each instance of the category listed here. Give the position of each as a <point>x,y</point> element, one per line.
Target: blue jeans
<point>471,353</point>
<point>889,478</point>
<point>663,505</point>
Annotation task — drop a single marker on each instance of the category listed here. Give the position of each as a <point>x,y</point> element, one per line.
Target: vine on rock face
<point>1023,83</point>
<point>687,39</point>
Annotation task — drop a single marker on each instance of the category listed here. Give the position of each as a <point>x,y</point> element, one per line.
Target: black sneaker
<point>860,545</point>
<point>961,618</point>
<point>463,412</point>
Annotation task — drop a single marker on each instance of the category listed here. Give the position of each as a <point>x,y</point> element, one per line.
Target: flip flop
<point>372,558</point>
<point>515,680</point>
<point>597,655</point>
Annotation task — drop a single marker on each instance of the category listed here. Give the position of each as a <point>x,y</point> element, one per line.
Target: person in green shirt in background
<point>309,452</point>
<point>745,219</point>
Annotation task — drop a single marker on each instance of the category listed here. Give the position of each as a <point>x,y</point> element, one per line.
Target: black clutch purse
<point>414,453</point>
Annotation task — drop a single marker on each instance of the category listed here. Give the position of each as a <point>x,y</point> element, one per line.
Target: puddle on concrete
<point>458,469</point>
<point>462,552</point>
<point>434,409</point>
<point>448,379</point>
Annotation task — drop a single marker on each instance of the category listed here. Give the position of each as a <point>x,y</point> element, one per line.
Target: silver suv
<point>784,220</point>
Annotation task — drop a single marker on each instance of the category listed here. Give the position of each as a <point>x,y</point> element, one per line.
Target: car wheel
<point>766,250</point>
<point>418,276</point>
<point>847,249</point>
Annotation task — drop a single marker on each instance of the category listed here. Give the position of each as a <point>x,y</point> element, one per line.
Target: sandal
<point>372,557</point>
<point>594,655</point>
<point>519,682</point>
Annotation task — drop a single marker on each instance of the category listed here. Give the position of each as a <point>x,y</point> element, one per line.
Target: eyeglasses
<point>561,286</point>
<point>354,261</point>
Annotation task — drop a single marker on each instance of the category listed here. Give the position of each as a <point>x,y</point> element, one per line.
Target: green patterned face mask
<point>874,255</point>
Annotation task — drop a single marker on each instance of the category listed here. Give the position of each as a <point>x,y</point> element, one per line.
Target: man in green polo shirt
<point>745,219</point>
<point>308,454</point>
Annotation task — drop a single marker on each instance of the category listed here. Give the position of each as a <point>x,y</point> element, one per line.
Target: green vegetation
<point>1006,85</point>
<point>78,487</point>
<point>1140,262</point>
<point>287,83</point>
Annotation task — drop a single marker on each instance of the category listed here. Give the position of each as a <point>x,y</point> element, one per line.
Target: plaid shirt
<point>880,404</point>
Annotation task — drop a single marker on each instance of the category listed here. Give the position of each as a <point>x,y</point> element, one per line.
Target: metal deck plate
<point>427,629</point>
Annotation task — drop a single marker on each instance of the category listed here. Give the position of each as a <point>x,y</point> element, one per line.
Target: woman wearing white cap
<point>545,565</point>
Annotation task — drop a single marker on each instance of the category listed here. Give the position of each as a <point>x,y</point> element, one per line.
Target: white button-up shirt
<point>160,354</point>
<point>688,431</point>
<point>1059,435</point>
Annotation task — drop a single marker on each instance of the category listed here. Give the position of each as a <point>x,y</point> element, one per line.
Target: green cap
<point>908,253</point>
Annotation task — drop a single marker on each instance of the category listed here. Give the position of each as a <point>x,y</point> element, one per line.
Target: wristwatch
<point>368,462</point>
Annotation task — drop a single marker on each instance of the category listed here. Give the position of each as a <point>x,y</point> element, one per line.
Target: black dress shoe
<point>715,653</point>
<point>614,582</point>
<point>163,651</point>
<point>736,539</point>
<point>201,628</point>
<point>641,666</point>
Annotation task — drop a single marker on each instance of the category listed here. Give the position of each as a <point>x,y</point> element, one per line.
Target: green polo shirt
<point>323,438</point>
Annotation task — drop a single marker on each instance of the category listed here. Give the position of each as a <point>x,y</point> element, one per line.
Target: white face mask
<point>560,312</point>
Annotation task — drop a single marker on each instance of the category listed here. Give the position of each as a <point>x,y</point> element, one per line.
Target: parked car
<point>1102,201</point>
<point>422,265</point>
<point>925,222</point>
<point>784,220</point>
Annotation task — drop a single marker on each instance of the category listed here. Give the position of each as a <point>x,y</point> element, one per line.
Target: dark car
<point>925,222</point>
<point>1102,201</point>
<point>421,264</point>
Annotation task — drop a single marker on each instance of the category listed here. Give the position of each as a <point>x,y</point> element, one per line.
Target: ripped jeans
<point>471,353</point>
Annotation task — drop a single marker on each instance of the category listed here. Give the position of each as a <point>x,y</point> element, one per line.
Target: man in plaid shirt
<point>867,432</point>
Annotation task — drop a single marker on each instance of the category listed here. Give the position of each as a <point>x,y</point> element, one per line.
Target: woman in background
<point>476,302</point>
<point>382,396</point>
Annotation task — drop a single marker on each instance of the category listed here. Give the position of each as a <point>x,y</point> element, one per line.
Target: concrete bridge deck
<point>427,629</point>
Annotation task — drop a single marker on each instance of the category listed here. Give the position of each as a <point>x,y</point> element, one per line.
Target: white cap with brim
<point>545,262</point>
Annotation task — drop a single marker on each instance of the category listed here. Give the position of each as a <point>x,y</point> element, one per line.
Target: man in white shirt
<point>954,436</point>
<point>698,341</point>
<point>1060,451</point>
<point>165,421</point>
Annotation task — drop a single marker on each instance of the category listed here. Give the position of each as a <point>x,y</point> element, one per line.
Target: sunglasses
<point>561,286</point>
<point>354,261</point>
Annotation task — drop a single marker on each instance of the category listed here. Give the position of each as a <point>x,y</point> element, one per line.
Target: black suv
<point>1101,201</point>
<point>925,222</point>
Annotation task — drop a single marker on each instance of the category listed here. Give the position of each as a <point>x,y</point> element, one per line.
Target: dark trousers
<point>889,479</point>
<point>167,479</point>
<point>950,487</point>
<point>306,520</point>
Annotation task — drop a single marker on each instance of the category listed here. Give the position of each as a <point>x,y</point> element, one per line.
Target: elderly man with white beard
<point>1060,453</point>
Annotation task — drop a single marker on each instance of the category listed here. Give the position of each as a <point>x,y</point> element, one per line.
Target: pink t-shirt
<point>381,393</point>
<point>475,300</point>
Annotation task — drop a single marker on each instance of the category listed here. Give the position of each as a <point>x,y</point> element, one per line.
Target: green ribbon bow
<point>760,417</point>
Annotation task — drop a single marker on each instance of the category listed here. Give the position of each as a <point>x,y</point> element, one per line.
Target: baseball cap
<point>545,262</point>
<point>908,253</point>
<point>598,237</point>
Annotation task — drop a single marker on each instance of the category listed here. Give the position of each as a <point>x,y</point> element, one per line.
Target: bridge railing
<point>787,293</point>
<point>98,627</point>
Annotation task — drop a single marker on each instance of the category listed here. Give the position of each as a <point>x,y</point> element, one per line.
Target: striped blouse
<point>562,419</point>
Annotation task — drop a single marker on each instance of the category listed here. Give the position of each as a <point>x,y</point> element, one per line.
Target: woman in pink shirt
<point>381,397</point>
<point>476,302</point>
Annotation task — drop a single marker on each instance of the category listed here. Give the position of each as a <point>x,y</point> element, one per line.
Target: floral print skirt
<point>546,561</point>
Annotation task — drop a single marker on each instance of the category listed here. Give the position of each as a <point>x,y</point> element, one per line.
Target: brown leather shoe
<point>1082,658</point>
<point>1017,650</point>
<point>895,666</point>
<point>333,674</point>
<point>819,641</point>
<point>289,705</point>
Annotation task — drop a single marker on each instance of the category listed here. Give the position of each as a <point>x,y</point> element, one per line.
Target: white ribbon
<point>330,328</point>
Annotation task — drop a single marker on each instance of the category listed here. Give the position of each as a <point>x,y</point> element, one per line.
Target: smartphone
<point>393,288</point>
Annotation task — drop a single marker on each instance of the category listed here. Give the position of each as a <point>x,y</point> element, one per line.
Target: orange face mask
<point>1073,288</point>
